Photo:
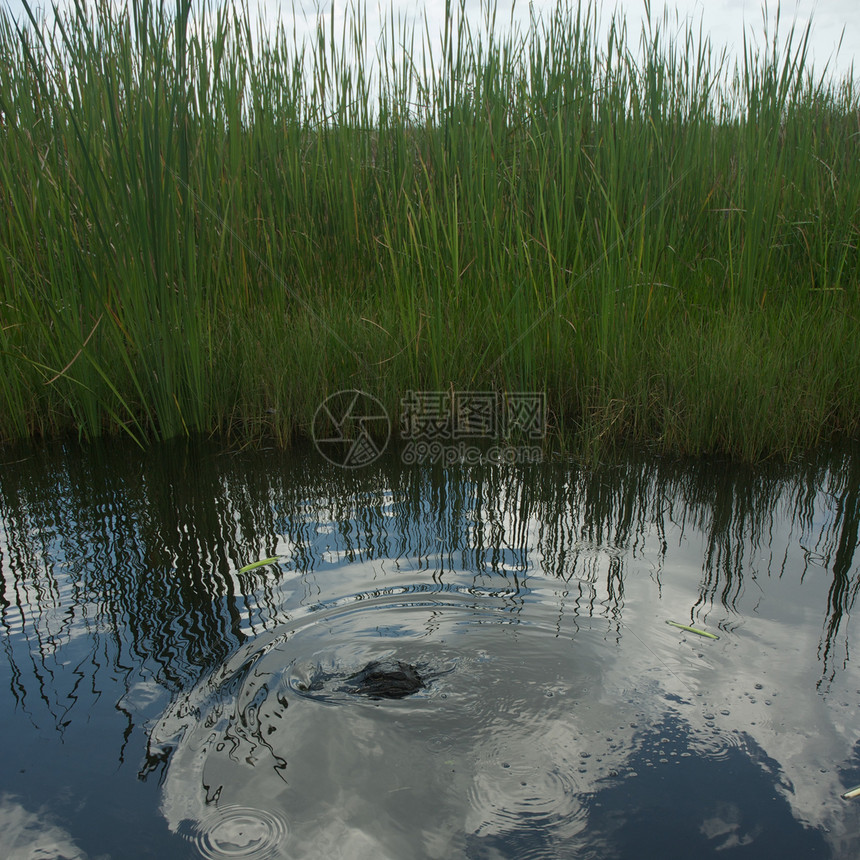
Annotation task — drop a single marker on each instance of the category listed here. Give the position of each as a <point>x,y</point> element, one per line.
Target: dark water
<point>158,702</point>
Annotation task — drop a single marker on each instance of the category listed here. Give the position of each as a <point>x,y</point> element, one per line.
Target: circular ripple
<point>240,831</point>
<point>533,780</point>
<point>489,748</point>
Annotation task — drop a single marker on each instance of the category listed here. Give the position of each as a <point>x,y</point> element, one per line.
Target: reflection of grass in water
<point>202,237</point>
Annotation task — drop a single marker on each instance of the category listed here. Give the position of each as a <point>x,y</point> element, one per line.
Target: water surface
<point>156,701</point>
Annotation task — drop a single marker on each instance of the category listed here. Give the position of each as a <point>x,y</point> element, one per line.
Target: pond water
<point>158,701</point>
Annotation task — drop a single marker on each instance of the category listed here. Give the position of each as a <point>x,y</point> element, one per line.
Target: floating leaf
<point>693,630</point>
<point>255,564</point>
<point>852,792</point>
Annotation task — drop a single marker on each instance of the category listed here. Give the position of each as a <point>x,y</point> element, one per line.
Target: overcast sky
<point>724,20</point>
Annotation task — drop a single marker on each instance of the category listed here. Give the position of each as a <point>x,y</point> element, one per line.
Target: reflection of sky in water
<point>30,836</point>
<point>627,698</point>
<point>123,593</point>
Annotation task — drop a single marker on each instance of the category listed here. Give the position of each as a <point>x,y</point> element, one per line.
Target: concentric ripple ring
<point>240,831</point>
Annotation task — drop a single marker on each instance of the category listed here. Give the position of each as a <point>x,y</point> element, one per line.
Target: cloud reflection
<point>121,583</point>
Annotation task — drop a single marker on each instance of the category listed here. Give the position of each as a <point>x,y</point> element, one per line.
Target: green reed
<point>211,225</point>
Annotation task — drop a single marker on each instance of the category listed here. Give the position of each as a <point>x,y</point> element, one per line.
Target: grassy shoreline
<point>208,234</point>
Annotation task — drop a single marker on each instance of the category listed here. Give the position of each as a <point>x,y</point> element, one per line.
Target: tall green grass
<point>209,225</point>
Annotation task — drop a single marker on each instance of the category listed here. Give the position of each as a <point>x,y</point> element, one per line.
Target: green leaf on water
<point>693,630</point>
<point>255,564</point>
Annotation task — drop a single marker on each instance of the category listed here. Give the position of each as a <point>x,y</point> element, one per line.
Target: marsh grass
<point>208,230</point>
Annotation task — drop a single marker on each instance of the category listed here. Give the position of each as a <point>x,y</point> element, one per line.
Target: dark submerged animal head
<point>389,679</point>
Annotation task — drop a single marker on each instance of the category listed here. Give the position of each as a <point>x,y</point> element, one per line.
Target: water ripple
<point>240,831</point>
<point>488,749</point>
